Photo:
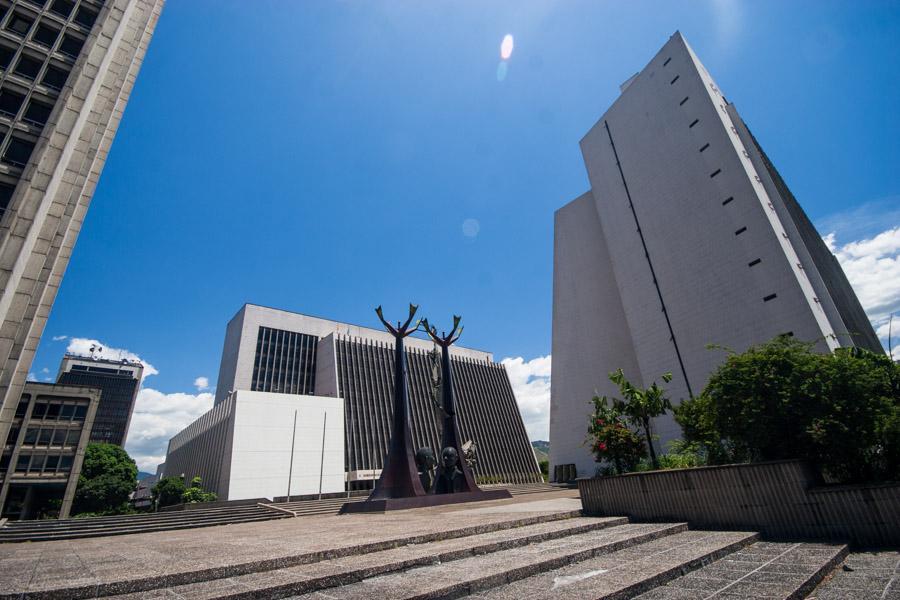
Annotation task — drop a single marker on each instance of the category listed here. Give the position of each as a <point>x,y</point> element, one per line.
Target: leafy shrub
<point>195,493</point>
<point>611,440</point>
<point>167,491</point>
<point>781,400</point>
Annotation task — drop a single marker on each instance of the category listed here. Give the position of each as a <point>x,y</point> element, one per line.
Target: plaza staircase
<point>559,555</point>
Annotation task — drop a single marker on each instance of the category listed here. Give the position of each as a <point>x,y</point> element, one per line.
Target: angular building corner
<point>687,237</point>
<point>68,67</point>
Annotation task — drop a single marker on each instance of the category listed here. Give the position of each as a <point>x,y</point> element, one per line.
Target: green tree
<point>196,494</point>
<point>167,491</point>
<point>108,477</point>
<point>782,400</point>
<point>611,440</point>
<point>641,405</point>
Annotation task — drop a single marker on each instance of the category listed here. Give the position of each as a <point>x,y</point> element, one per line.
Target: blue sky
<point>326,157</point>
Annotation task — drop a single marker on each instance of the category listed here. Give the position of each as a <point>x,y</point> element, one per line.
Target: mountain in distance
<point>541,450</point>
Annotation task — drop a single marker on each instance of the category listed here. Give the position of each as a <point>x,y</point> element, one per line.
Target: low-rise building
<point>44,450</point>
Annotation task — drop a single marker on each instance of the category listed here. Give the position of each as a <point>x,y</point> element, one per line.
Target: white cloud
<point>531,384</point>
<point>31,377</point>
<point>82,347</point>
<point>873,267</point>
<point>59,338</point>
<point>201,383</point>
<point>727,20</point>
<point>157,417</point>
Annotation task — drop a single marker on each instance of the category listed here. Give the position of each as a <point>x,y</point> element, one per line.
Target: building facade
<point>119,382</point>
<point>44,450</point>
<point>270,350</point>
<point>687,237</point>
<point>67,68</point>
<point>263,445</point>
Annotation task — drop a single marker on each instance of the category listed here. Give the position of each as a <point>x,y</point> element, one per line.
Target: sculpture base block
<point>386,504</point>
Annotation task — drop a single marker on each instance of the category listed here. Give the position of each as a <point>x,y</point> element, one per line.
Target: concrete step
<point>280,583</point>
<point>863,575</point>
<point>623,574</point>
<point>147,585</point>
<point>762,570</point>
<point>456,578</point>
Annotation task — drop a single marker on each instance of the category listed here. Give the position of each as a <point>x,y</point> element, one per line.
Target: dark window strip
<point>740,231</point>
<point>693,123</point>
<point>727,200</point>
<point>705,146</point>
<point>754,262</point>
<point>714,173</point>
<point>770,297</point>
<point>668,60</point>
<point>683,101</point>
<point>674,80</point>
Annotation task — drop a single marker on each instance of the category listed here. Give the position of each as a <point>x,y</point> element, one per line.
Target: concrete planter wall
<point>782,500</point>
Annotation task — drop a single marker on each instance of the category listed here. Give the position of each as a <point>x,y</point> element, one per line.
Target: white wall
<point>261,450</point>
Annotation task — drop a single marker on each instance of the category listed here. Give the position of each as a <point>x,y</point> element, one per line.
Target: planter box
<point>782,500</point>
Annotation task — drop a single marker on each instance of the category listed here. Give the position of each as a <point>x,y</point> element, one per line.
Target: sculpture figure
<point>450,437</point>
<point>450,479</point>
<point>425,463</point>
<point>399,477</point>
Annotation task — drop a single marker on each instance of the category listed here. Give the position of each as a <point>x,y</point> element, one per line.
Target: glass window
<point>39,410</point>
<point>66,412</point>
<point>80,412</point>
<point>19,23</point>
<point>45,35</point>
<point>28,67</point>
<point>52,462</point>
<point>53,411</point>
<point>62,7</point>
<point>6,55</point>
<point>13,436</point>
<point>10,102</point>
<point>22,463</point>
<point>31,435</point>
<point>45,436</point>
<point>65,463</point>
<point>37,463</point>
<point>22,408</point>
<point>85,17</point>
<point>55,77</point>
<point>4,462</point>
<point>71,45</point>
<point>72,437</point>
<point>59,437</point>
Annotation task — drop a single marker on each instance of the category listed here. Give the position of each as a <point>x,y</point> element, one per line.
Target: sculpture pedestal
<point>386,504</point>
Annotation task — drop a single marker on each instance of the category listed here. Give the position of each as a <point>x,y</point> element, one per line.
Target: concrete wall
<point>261,452</point>
<point>781,500</point>
<point>242,446</point>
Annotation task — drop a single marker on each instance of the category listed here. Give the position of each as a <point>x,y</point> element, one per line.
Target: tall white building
<point>67,68</point>
<point>687,237</point>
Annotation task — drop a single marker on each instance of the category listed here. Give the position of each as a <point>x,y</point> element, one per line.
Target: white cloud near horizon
<point>59,338</point>
<point>82,347</point>
<point>201,383</point>
<point>530,382</point>
<point>157,417</point>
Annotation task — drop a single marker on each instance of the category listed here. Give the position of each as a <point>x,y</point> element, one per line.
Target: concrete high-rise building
<point>270,350</point>
<point>119,382</point>
<point>687,237</point>
<point>67,68</point>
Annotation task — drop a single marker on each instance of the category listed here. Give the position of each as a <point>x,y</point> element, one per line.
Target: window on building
<point>65,463</point>
<point>55,77</point>
<point>6,56</point>
<point>72,437</point>
<point>66,412</point>
<point>31,435</point>
<point>37,463</point>
<point>85,17</point>
<point>694,122</point>
<point>714,173</point>
<point>45,436</point>
<point>71,45</point>
<point>727,200</point>
<point>80,413</point>
<point>740,231</point>
<point>753,263</point>
<point>13,436</point>
<point>53,411</point>
<point>770,297</point>
<point>59,437</point>
<point>17,154</point>
<point>28,66</point>
<point>62,7</point>
<point>22,408</point>
<point>674,80</point>
<point>22,463</point>
<point>19,23</point>
<point>683,101</point>
<point>39,410</point>
<point>45,35</point>
<point>10,102</point>
<point>51,463</point>
<point>4,462</point>
<point>704,147</point>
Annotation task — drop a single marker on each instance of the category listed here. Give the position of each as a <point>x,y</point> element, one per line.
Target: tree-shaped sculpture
<point>450,437</point>
<point>399,477</point>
